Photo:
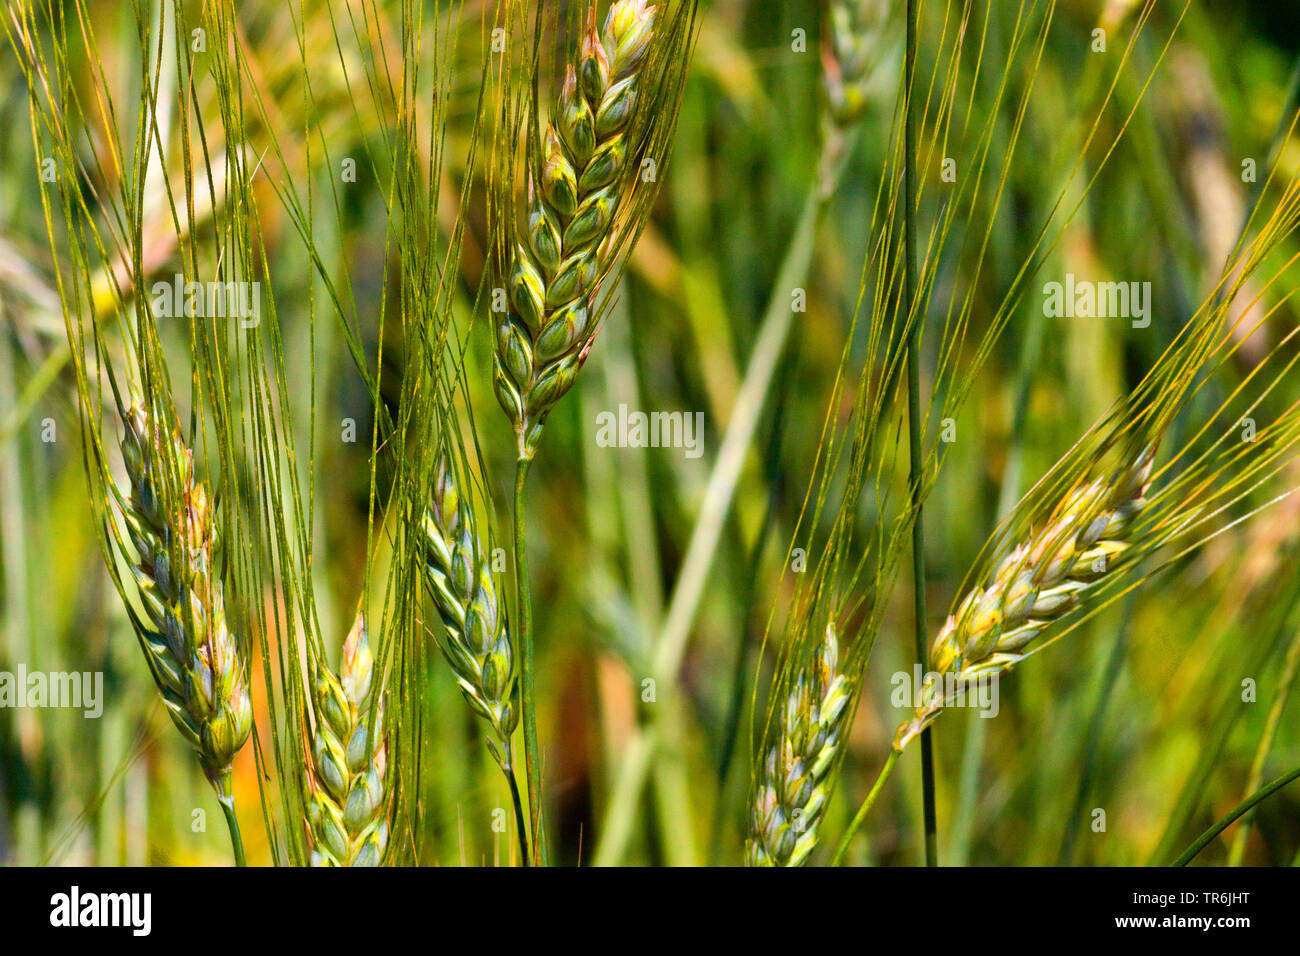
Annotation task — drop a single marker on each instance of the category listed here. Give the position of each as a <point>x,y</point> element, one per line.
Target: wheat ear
<point>794,782</point>
<point>580,180</point>
<point>345,784</point>
<point>1036,582</point>
<point>476,641</point>
<point>852,47</point>
<point>194,658</point>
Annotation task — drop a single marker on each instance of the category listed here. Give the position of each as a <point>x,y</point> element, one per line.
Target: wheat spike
<point>853,46</point>
<point>476,641</point>
<point>580,180</point>
<point>794,782</point>
<point>194,658</point>
<point>1037,582</point>
<point>345,785</point>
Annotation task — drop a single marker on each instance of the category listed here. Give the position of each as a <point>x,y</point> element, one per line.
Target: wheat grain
<point>1035,583</point>
<point>794,782</point>
<point>194,658</point>
<point>579,181</point>
<point>345,784</point>
<point>476,641</point>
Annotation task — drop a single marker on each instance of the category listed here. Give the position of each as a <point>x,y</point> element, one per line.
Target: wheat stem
<point>1271,726</point>
<point>227,800</point>
<point>914,421</point>
<point>582,188</point>
<point>881,778</point>
<point>587,199</point>
<point>521,828</point>
<point>1245,806</point>
<point>670,644</point>
<point>1092,738</point>
<point>528,693</point>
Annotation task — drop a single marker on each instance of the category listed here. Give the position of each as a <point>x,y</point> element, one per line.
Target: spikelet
<point>345,786</point>
<point>793,785</point>
<point>476,641</point>
<point>1037,582</point>
<point>194,658</point>
<point>579,182</point>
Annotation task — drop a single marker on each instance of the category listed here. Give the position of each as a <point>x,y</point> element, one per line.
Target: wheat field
<point>649,433</point>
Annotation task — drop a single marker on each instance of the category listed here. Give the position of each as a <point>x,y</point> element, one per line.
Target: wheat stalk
<point>345,782</point>
<point>584,208</point>
<point>194,658</point>
<point>1037,581</point>
<point>580,180</point>
<point>794,782</point>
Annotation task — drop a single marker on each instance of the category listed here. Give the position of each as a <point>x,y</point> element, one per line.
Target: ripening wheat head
<point>345,785</point>
<point>793,782</point>
<point>579,181</point>
<point>194,658</point>
<point>1060,564</point>
<point>476,641</point>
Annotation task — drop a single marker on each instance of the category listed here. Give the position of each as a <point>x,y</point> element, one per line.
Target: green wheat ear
<point>194,658</point>
<point>579,181</point>
<point>854,44</point>
<point>346,782</point>
<point>1082,544</point>
<point>476,641</point>
<point>794,782</point>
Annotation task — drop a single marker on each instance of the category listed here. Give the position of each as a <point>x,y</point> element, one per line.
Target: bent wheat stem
<point>1226,821</point>
<point>194,659</point>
